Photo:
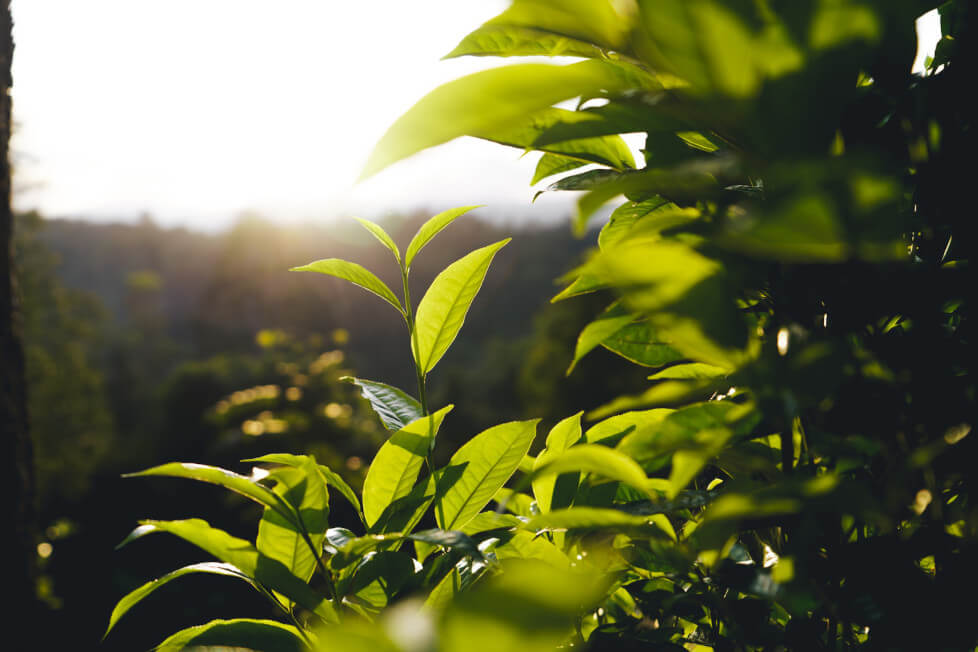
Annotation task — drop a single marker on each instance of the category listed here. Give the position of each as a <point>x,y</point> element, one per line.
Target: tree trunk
<point>16,456</point>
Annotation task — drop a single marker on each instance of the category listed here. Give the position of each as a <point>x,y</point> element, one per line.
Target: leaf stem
<point>414,341</point>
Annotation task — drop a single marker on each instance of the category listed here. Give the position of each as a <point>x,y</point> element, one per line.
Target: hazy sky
<point>198,110</point>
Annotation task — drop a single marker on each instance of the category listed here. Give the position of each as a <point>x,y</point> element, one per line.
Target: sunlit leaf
<point>592,21</point>
<point>134,597</point>
<point>395,408</point>
<point>583,284</point>
<point>327,475</point>
<point>638,343</point>
<point>443,308</point>
<point>430,229</point>
<point>239,633</point>
<point>513,41</point>
<point>551,164</point>
<point>379,579</point>
<point>278,538</point>
<point>488,100</point>
<point>515,502</point>
<point>245,557</point>
<point>562,436</point>
<point>611,430</point>
<point>487,461</point>
<point>395,468</point>
<point>354,273</point>
<point>595,459</point>
<point>378,232</point>
<point>244,485</point>
<point>690,371</point>
<point>578,518</point>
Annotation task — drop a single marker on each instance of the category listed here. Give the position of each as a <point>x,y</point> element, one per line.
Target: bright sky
<point>198,110</point>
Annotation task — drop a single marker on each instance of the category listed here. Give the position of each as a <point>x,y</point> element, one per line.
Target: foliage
<point>791,267</point>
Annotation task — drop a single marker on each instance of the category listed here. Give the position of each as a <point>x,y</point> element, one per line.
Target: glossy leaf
<point>354,273</point>
<point>136,596</point>
<point>442,310</point>
<point>379,578</point>
<point>592,21</point>
<point>638,342</point>
<point>488,100</point>
<point>513,41</point>
<point>595,459</point>
<point>244,485</point>
<point>580,518</point>
<point>562,436</point>
<point>551,164</point>
<point>278,538</point>
<point>395,468</point>
<point>244,556</point>
<point>487,462</point>
<point>382,236</point>
<point>690,371</point>
<point>327,475</point>
<point>395,407</point>
<point>239,633</point>
<point>515,502</point>
<point>607,324</point>
<point>611,430</point>
<point>430,229</point>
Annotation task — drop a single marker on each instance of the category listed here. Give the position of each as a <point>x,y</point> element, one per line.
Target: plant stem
<point>414,341</point>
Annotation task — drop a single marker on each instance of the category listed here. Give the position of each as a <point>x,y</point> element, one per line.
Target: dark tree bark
<point>16,458</point>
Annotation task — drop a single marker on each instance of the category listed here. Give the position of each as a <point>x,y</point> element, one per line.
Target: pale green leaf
<point>579,518</point>
<point>513,41</point>
<point>690,371</point>
<point>278,538</point>
<point>354,273</point>
<point>328,476</point>
<point>430,229</point>
<point>378,232</point>
<point>489,100</point>
<point>515,502</point>
<point>551,164</point>
<point>562,436</point>
<point>592,21</point>
<point>395,468</point>
<point>442,310</point>
<point>607,324</point>
<point>239,633</point>
<point>486,461</point>
<point>595,459</point>
<point>611,430</point>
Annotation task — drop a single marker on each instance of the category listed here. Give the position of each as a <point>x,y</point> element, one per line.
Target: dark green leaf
<point>395,408</point>
<point>239,633</point>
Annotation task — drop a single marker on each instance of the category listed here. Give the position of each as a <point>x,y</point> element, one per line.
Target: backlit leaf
<point>443,308</point>
<point>378,232</point>
<point>354,273</point>
<point>487,461</point>
<point>430,229</point>
<point>239,633</point>
<point>395,468</point>
<point>395,407</point>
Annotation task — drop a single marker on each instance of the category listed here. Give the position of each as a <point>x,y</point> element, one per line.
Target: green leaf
<point>487,461</point>
<point>583,284</point>
<point>551,164</point>
<point>395,407</point>
<point>430,229</point>
<point>513,41</point>
<point>489,100</point>
<point>612,429</point>
<point>515,502</point>
<point>379,578</point>
<point>637,342</point>
<point>592,21</point>
<point>595,459</point>
<point>581,518</point>
<point>690,371</point>
<point>328,476</point>
<point>244,556</point>
<point>244,485</point>
<point>684,294</point>
<point>530,605</point>
<point>356,274</point>
<point>624,218</point>
<point>280,539</point>
<point>562,436</point>
<point>443,308</point>
<point>136,596</point>
<point>239,633</point>
<point>395,468</point>
<point>612,320</point>
<point>609,150</point>
<point>378,232</point>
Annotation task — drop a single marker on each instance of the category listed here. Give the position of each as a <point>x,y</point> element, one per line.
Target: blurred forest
<point>146,345</point>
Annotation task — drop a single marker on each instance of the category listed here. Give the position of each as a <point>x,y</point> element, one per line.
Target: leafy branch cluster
<point>792,263</point>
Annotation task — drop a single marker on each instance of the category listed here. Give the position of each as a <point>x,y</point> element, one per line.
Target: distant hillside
<point>211,293</point>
